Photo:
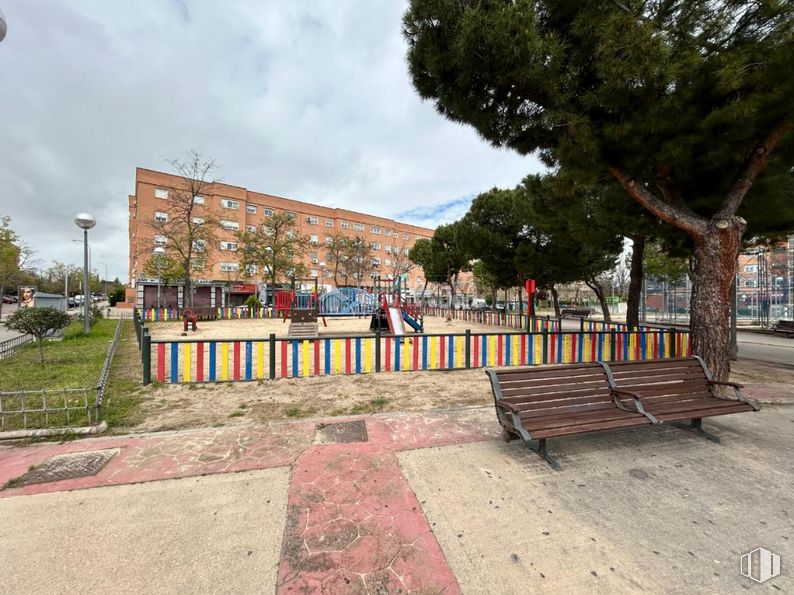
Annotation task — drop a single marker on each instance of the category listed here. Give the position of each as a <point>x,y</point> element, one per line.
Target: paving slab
<point>654,510</point>
<point>218,534</point>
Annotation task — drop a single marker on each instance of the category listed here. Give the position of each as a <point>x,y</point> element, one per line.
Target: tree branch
<point>677,216</point>
<point>755,164</point>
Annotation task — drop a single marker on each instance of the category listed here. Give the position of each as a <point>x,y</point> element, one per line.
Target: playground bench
<point>785,327</point>
<point>677,389</point>
<point>205,313</point>
<point>548,402</point>
<point>576,312</point>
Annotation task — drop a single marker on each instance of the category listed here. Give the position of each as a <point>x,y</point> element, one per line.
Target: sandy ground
<point>261,329</point>
<point>202,405</point>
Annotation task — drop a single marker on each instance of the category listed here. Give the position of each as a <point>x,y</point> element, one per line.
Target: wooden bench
<point>676,389</point>
<point>785,327</point>
<point>205,313</point>
<point>547,402</point>
<point>576,312</point>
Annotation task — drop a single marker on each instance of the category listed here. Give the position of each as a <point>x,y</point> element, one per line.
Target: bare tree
<point>275,248</point>
<point>358,260</point>
<point>400,263</point>
<point>336,251</point>
<point>189,229</point>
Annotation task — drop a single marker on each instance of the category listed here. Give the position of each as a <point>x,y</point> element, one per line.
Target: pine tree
<point>684,103</point>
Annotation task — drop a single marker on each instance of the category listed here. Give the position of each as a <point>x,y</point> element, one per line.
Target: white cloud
<point>306,100</point>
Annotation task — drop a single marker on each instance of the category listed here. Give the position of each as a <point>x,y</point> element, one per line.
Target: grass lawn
<point>72,363</point>
<point>75,362</point>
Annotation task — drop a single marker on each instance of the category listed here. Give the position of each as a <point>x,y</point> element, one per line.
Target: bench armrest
<point>635,398</point>
<point>736,390</point>
<point>726,383</point>
<point>508,406</point>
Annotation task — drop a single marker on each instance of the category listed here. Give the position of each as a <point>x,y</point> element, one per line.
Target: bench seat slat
<point>544,382</point>
<point>558,393</point>
<point>576,418</point>
<point>739,407</point>
<point>586,428</point>
<point>671,388</point>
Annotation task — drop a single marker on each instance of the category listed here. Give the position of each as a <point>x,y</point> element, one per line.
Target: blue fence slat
<point>174,362</point>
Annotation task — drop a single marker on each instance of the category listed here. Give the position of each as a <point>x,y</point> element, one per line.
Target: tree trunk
<point>599,291</point>
<point>555,299</point>
<point>716,254</point>
<point>41,346</point>
<point>635,283</point>
<point>3,292</point>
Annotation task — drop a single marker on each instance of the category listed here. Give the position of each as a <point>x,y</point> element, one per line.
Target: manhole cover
<point>346,431</point>
<point>71,466</point>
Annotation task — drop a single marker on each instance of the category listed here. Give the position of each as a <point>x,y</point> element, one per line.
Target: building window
<point>358,227</point>
<point>314,240</point>
<point>250,209</point>
<point>313,255</point>
<point>291,214</point>
<point>375,229</point>
<point>374,245</point>
<point>329,222</point>
<point>267,212</point>
<point>751,268</point>
<point>388,262</point>
<point>251,228</point>
<point>387,248</point>
<point>197,264</point>
<point>198,220</point>
<point>749,283</point>
<point>198,245</point>
<point>160,240</point>
<point>198,200</point>
<point>229,267</point>
<point>227,203</point>
<point>405,236</point>
<point>315,273</point>
<point>251,269</point>
<point>343,224</point>
<point>290,234</point>
<point>231,225</point>
<point>231,246</point>
<point>376,262</point>
<point>388,232</point>
<point>160,216</point>
<point>160,193</point>
<point>328,240</point>
<point>312,220</point>
<point>405,251</point>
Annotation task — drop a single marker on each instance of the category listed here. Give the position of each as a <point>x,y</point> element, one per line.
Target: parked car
<point>10,299</point>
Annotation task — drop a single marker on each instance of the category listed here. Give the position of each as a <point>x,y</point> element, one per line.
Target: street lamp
<point>159,252</point>
<point>85,222</point>
<point>3,26</point>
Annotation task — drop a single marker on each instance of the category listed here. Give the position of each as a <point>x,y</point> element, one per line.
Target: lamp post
<point>159,252</point>
<point>85,222</point>
<point>3,26</point>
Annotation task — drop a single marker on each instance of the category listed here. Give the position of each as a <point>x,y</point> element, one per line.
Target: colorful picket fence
<point>187,361</point>
<point>537,324</point>
<point>225,313</point>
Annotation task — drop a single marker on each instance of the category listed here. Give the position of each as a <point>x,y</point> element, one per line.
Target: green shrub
<point>253,301</point>
<point>94,314</point>
<point>38,322</point>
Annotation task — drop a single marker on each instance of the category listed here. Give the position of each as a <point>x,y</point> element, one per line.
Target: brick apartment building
<point>222,281</point>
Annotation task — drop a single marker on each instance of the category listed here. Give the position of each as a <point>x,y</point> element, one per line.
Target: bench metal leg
<point>697,425</point>
<point>539,446</point>
<point>508,436</point>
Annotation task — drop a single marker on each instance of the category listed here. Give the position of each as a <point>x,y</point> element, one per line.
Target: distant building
<point>220,280</point>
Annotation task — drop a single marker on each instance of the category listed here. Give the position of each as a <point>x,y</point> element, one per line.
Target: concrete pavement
<point>429,502</point>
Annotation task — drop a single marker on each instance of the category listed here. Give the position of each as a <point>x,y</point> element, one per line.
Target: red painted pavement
<point>353,523</point>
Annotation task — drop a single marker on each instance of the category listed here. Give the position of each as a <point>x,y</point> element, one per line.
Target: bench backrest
<point>545,391</point>
<point>661,380</point>
<point>785,324</point>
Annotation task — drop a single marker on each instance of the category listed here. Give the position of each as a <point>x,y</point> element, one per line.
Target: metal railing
<point>26,409</point>
<point>10,346</point>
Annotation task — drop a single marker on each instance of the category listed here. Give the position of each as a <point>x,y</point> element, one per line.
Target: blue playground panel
<point>348,301</point>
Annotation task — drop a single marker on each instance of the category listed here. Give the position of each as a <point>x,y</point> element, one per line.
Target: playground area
<point>336,326</point>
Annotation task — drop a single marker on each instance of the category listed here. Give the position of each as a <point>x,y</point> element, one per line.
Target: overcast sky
<point>304,99</point>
